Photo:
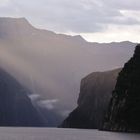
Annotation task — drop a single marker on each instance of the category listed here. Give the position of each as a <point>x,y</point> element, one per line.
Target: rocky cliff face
<point>16,108</point>
<point>95,94</point>
<point>124,108</point>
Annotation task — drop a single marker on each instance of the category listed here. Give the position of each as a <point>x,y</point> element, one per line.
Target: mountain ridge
<point>52,65</point>
<point>23,20</point>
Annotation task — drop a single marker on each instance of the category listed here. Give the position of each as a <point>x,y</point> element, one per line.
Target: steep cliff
<point>95,94</point>
<point>124,108</point>
<point>16,108</point>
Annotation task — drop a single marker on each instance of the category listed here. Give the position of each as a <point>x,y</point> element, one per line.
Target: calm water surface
<point>61,134</point>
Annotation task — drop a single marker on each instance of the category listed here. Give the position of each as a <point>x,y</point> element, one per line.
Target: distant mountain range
<point>51,65</point>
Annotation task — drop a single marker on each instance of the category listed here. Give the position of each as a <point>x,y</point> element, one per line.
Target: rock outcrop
<point>16,108</point>
<point>124,109</point>
<point>95,94</point>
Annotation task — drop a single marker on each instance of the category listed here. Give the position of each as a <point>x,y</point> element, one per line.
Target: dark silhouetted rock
<point>124,108</point>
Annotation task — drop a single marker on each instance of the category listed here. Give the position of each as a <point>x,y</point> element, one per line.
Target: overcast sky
<point>95,20</point>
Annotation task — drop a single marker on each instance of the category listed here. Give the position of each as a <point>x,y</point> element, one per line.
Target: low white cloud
<point>34,97</point>
<point>49,104</point>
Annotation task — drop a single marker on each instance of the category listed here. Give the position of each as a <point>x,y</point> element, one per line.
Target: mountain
<point>95,94</point>
<point>124,108</point>
<point>51,65</point>
<point>16,108</point>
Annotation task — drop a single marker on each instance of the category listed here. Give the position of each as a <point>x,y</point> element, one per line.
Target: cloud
<point>34,97</point>
<point>4,3</point>
<point>80,16</point>
<point>49,104</point>
<point>124,4</point>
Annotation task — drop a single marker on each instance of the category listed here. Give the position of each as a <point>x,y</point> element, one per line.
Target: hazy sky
<point>95,20</point>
